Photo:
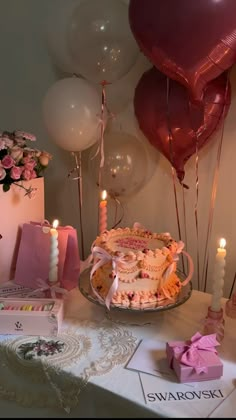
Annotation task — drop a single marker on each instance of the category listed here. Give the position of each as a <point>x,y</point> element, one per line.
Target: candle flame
<point>222,243</point>
<point>55,224</point>
<point>104,195</point>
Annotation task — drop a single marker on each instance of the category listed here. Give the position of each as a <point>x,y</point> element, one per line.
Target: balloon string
<point>170,137</point>
<point>103,105</point>
<point>185,223</point>
<point>232,287</point>
<point>197,193</point>
<point>100,149</point>
<point>101,140</point>
<point>76,175</point>
<point>196,210</point>
<point>177,212</point>
<point>118,204</point>
<point>213,193</point>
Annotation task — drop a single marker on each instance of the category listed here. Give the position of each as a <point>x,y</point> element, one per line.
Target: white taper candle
<point>54,254</point>
<point>218,279</point>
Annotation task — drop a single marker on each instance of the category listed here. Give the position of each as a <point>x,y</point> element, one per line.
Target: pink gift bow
<point>190,351</point>
<point>43,286</point>
<point>104,257</point>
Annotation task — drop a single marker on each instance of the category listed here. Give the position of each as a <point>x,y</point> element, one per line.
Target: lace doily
<point>48,371</point>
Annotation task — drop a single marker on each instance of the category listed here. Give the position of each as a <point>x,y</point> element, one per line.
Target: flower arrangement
<point>18,162</point>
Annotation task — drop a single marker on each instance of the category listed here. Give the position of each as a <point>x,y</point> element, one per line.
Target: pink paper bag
<point>34,255</point>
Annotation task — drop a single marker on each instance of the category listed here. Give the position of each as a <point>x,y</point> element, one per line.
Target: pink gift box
<point>195,360</point>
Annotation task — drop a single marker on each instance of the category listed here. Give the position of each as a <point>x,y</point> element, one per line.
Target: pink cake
<point>133,266</point>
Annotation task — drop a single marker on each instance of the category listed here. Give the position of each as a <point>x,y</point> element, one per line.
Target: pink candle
<point>103,212</point>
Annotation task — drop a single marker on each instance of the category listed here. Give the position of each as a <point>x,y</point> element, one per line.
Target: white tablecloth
<point>102,350</point>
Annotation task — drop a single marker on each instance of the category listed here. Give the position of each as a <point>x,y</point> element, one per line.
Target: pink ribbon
<point>86,263</point>
<point>191,355</point>
<point>175,256</point>
<point>43,286</point>
<point>103,257</point>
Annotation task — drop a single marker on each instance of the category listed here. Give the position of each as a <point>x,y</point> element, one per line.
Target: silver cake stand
<point>136,315</point>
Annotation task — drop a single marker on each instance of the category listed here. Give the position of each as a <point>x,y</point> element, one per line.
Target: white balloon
<point>100,40</point>
<point>71,110</point>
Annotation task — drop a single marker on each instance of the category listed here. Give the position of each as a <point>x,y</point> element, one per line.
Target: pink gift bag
<point>17,209</point>
<point>34,255</point>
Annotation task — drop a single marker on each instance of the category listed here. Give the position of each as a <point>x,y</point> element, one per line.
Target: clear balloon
<point>120,94</point>
<point>125,167</point>
<point>71,110</point>
<point>100,41</point>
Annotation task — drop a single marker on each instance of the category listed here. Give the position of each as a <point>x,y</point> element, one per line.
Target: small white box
<point>37,321</point>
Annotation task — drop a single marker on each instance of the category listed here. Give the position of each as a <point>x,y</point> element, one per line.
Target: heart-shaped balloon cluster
<point>187,123</point>
<point>185,97</point>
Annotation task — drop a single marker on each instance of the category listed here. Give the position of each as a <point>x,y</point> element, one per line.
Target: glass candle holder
<point>214,323</point>
<point>230,306</point>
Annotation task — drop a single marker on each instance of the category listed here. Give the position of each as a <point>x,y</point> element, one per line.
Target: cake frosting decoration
<point>133,266</point>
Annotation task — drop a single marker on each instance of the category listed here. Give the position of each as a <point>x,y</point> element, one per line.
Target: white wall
<point>26,72</point>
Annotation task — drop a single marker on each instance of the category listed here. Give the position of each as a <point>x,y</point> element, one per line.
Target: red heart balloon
<point>191,41</point>
<point>160,114</point>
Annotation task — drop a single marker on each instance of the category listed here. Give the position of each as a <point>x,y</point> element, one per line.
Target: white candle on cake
<point>218,280</point>
<point>54,253</point>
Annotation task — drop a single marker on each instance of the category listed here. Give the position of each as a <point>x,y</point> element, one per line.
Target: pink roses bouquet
<point>18,162</point>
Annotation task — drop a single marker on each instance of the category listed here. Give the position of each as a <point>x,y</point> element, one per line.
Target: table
<point>118,393</point>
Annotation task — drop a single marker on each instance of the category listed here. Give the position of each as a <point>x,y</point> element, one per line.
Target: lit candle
<point>103,212</point>
<point>219,272</point>
<point>54,253</point>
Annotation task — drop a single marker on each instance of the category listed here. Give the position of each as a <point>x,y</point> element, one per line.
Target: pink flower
<point>9,142</point>
<point>20,161</point>
<point>20,142</point>
<point>17,153</point>
<point>26,159</point>
<point>26,174</point>
<point>33,174</point>
<point>24,135</point>
<point>2,144</point>
<point>15,172</point>
<point>30,165</point>
<point>7,162</point>
<point>2,173</point>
